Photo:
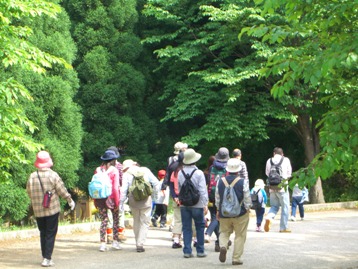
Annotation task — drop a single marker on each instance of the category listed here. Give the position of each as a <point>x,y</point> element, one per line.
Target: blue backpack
<point>230,206</point>
<point>100,186</point>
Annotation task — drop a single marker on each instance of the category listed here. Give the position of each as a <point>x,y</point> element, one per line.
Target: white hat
<point>128,163</point>
<point>177,147</point>
<point>233,165</point>
<point>260,183</point>
<point>190,156</point>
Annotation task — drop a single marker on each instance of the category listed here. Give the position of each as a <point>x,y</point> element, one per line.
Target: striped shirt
<point>51,181</point>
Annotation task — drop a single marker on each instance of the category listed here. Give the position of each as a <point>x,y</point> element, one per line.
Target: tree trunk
<point>306,130</point>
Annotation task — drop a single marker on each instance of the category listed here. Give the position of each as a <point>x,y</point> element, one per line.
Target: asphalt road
<point>326,239</point>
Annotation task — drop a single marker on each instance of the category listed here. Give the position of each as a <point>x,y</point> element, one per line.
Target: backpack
<point>274,177</point>
<point>140,189</point>
<point>189,194</point>
<point>255,200</point>
<point>214,177</point>
<point>100,186</point>
<point>230,206</point>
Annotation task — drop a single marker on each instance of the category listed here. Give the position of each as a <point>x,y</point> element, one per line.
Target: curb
<point>91,226</point>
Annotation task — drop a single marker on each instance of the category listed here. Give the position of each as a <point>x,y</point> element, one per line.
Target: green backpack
<point>140,189</point>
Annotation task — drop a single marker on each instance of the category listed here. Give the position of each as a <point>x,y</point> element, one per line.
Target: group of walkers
<point>189,222</point>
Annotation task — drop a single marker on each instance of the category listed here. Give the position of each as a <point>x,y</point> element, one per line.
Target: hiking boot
<point>267,225</point>
<point>239,262</point>
<point>116,245</point>
<point>201,255</point>
<point>188,255</point>
<point>217,247</point>
<point>222,256</point>
<point>285,231</point>
<point>47,263</point>
<point>154,222</point>
<point>103,247</point>
<point>176,245</point>
<point>122,238</point>
<point>229,244</point>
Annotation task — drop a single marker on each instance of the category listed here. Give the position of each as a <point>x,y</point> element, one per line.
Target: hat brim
<point>221,160</point>
<point>232,170</point>
<point>47,164</point>
<point>193,159</point>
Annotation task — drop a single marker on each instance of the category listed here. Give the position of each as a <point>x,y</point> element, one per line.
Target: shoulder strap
<point>279,163</point>
<point>187,176</point>
<point>234,182</point>
<point>258,191</point>
<point>225,182</point>
<point>42,188</point>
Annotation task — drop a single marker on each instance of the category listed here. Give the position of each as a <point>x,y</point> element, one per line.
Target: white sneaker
<point>47,263</point>
<point>293,218</point>
<point>116,245</point>
<point>207,238</point>
<point>103,247</point>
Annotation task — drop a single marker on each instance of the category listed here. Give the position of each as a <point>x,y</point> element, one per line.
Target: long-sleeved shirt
<point>51,181</point>
<point>285,167</point>
<point>128,177</point>
<point>199,181</point>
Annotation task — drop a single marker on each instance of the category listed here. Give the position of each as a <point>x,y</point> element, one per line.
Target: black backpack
<point>255,200</point>
<point>189,194</point>
<point>274,177</point>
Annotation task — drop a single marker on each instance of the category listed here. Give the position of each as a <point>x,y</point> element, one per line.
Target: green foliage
<point>14,202</point>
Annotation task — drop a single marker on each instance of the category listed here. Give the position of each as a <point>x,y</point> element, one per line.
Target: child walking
<point>298,197</point>
<point>259,188</point>
<point>161,205</point>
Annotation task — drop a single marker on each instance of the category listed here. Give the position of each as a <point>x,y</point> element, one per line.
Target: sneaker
<point>116,245</point>
<point>47,263</point>
<point>176,245</point>
<point>239,262</point>
<point>154,222</point>
<point>103,247</point>
<point>267,225</point>
<point>162,226</point>
<point>293,218</point>
<point>302,219</point>
<point>222,256</point>
<point>217,247</point>
<point>140,249</point>
<point>285,231</point>
<point>201,255</point>
<point>207,238</point>
<point>188,255</point>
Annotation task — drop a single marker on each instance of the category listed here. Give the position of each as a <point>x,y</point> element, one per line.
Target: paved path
<point>324,240</point>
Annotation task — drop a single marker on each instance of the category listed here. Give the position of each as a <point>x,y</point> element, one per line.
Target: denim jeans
<point>259,215</point>
<point>278,199</point>
<point>188,214</point>
<point>214,224</point>
<point>296,202</point>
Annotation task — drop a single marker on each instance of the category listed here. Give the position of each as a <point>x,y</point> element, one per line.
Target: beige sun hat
<point>190,156</point>
<point>128,163</point>
<point>233,165</point>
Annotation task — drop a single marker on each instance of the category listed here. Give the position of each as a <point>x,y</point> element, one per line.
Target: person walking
<point>41,181</point>
<point>216,171</point>
<point>237,224</point>
<point>161,204</point>
<point>197,211</point>
<point>108,166</point>
<point>236,153</point>
<point>141,210</point>
<point>299,196</point>
<point>259,189</point>
<point>279,195</point>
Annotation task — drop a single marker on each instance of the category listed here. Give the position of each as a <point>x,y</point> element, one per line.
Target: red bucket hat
<point>43,160</point>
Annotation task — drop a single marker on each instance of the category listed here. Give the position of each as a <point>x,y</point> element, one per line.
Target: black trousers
<point>48,230</point>
<point>161,211</point>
